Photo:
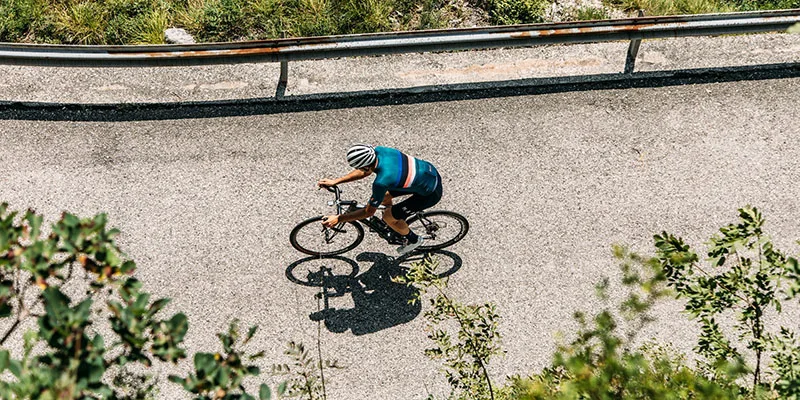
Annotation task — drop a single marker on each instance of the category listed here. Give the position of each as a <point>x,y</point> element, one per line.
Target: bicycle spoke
<point>314,238</point>
<point>439,228</point>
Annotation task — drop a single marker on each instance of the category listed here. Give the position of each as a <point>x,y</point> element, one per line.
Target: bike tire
<point>439,216</point>
<point>324,249</point>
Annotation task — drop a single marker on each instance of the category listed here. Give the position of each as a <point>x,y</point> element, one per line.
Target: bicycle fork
<point>331,232</point>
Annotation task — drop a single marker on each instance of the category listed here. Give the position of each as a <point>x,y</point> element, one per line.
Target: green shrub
<point>20,19</point>
<point>601,362</point>
<point>150,28</point>
<point>423,14</point>
<point>608,372</point>
<point>294,18</point>
<point>753,5</point>
<point>222,20</point>
<point>81,22</point>
<point>137,21</point>
<point>432,18</point>
<point>590,14</point>
<point>360,16</point>
<point>465,351</point>
<point>313,18</point>
<point>304,377</point>
<point>144,21</point>
<point>509,12</point>
<point>743,279</point>
<point>221,375</point>
<point>675,7</point>
<point>270,18</point>
<point>75,358</point>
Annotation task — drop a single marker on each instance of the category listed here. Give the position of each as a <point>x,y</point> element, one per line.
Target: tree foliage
<point>466,352</point>
<point>35,268</point>
<point>742,281</point>
<point>39,274</point>
<point>73,277</point>
<point>734,296</point>
<point>602,362</point>
<point>221,375</point>
<point>304,376</point>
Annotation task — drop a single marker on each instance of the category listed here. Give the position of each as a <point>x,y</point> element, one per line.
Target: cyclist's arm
<point>354,175</point>
<point>358,214</point>
<point>379,191</point>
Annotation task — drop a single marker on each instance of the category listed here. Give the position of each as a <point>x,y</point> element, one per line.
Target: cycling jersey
<point>400,173</point>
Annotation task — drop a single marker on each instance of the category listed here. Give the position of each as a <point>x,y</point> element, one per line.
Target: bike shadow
<point>378,302</point>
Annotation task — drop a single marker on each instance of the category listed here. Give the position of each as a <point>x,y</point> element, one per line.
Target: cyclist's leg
<point>396,217</point>
<point>399,226</point>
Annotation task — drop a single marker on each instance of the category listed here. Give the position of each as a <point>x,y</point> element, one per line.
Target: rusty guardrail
<point>314,48</point>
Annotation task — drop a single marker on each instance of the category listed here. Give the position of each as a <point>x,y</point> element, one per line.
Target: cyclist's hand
<point>326,183</point>
<point>330,220</point>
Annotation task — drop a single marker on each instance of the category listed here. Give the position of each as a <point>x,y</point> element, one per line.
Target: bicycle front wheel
<point>311,238</point>
<point>439,228</point>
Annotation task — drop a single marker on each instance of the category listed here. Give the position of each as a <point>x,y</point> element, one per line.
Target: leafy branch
<point>750,274</point>
<point>304,375</point>
<point>75,361</point>
<point>466,359</point>
<point>221,375</point>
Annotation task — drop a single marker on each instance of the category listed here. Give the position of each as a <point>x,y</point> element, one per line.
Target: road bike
<point>439,228</point>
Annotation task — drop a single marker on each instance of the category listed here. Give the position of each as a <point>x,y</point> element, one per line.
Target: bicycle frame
<point>373,223</point>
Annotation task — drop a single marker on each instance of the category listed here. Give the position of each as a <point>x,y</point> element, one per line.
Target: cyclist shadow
<point>378,302</point>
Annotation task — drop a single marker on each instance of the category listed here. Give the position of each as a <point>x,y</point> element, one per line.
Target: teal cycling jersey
<point>400,173</point>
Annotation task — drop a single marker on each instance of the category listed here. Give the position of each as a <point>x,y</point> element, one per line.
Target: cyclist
<point>397,174</point>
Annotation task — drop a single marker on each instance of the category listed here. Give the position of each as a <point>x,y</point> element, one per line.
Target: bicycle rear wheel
<point>439,228</point>
<point>311,238</point>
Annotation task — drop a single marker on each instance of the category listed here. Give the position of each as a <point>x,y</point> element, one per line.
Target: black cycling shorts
<point>416,202</point>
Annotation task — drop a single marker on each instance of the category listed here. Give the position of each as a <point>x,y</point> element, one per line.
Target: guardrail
<point>315,48</point>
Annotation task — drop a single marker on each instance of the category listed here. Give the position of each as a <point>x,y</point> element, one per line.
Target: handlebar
<point>339,203</point>
<point>334,189</point>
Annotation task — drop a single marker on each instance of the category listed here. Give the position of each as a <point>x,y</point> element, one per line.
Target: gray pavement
<point>549,181</point>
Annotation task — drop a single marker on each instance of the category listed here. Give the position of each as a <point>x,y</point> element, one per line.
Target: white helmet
<point>361,155</point>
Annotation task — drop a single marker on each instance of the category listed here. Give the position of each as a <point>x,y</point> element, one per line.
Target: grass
<point>509,12</point>
<point>676,7</point>
<point>20,20</point>
<point>144,21</point>
<point>81,23</point>
<point>590,14</point>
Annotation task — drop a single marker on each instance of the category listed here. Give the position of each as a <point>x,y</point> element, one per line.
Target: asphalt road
<point>549,180</point>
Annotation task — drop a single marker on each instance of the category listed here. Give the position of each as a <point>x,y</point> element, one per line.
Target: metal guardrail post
<point>283,80</point>
<point>633,50</point>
